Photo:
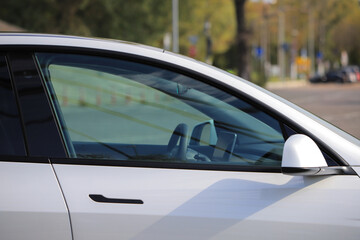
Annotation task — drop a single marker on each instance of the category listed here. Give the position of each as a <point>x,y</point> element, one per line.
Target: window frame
<point>281,118</point>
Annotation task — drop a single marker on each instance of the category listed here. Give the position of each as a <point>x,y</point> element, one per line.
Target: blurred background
<point>283,45</point>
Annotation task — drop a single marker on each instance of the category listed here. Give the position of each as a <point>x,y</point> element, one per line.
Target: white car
<point>104,139</point>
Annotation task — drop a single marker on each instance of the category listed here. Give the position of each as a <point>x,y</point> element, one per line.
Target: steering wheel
<point>179,132</point>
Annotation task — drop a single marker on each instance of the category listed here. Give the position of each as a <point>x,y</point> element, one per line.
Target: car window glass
<point>11,136</point>
<point>116,109</point>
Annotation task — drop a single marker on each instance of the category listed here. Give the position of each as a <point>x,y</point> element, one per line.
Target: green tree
<point>193,15</point>
<point>138,21</point>
<point>142,21</point>
<point>346,36</point>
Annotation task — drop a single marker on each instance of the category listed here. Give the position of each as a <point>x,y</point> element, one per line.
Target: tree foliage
<point>336,24</point>
<point>345,35</point>
<point>330,20</point>
<point>142,21</point>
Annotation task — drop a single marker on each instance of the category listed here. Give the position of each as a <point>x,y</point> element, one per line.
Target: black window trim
<point>16,94</point>
<point>53,108</point>
<point>27,56</point>
<point>283,119</point>
<point>165,165</point>
<point>24,159</point>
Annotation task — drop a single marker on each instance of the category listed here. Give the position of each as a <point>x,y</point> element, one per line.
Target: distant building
<point>7,27</point>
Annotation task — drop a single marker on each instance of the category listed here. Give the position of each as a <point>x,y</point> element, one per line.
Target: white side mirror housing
<point>301,156</point>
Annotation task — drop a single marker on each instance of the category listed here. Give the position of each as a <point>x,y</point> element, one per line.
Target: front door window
<point>116,109</point>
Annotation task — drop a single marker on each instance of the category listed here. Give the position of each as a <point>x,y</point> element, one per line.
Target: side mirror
<point>301,156</point>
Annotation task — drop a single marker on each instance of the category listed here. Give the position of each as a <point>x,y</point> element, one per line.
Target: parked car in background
<point>339,76</point>
<point>104,139</point>
<point>318,78</point>
<point>349,74</point>
<point>356,71</point>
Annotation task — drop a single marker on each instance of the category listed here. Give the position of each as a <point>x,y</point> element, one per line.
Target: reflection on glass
<point>11,137</point>
<point>115,109</point>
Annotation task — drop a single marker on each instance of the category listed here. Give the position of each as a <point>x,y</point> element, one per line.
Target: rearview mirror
<point>301,156</point>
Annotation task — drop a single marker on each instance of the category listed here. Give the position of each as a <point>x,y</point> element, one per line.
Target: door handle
<point>102,199</point>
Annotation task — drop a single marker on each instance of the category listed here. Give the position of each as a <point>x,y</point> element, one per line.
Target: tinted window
<point>115,109</point>
<point>11,137</point>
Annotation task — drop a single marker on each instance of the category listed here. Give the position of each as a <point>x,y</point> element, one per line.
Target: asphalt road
<point>338,104</point>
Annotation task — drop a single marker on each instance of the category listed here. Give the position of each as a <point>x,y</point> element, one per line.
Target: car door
<point>31,203</point>
<point>158,153</point>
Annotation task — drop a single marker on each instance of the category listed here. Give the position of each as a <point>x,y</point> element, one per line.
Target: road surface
<point>338,104</point>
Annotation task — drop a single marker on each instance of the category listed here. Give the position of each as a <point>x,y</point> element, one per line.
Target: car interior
<point>200,123</point>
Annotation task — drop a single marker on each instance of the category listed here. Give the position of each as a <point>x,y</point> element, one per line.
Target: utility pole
<point>175,25</point>
<point>207,27</point>
<point>264,36</point>
<point>281,42</point>
<point>311,41</point>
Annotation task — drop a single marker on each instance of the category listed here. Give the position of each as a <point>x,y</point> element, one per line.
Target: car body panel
<point>31,204</point>
<point>357,170</point>
<point>192,204</point>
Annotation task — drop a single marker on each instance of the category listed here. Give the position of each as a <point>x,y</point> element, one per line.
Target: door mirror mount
<point>301,156</point>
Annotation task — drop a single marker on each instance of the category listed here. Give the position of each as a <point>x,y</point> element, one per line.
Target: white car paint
<point>181,204</point>
<point>357,170</point>
<point>294,154</point>
<point>193,204</point>
<point>31,203</point>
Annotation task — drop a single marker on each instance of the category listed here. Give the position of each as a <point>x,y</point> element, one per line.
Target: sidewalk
<point>287,84</point>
